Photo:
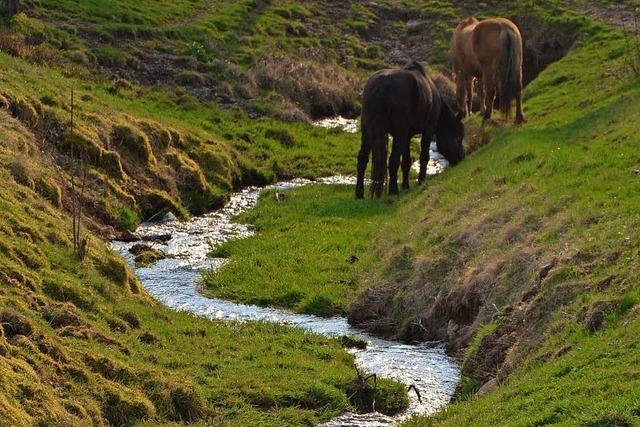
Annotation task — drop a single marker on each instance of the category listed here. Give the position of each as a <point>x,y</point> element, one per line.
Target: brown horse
<point>491,52</point>
<point>404,103</point>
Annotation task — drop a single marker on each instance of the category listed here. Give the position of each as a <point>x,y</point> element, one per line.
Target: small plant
<point>198,51</point>
<point>129,218</point>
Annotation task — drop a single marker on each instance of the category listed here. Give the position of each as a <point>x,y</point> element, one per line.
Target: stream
<point>175,282</point>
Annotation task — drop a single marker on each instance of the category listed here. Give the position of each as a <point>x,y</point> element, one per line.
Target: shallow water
<point>437,162</point>
<point>175,282</point>
<point>339,122</point>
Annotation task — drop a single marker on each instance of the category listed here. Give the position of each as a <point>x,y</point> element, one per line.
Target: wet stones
<point>349,341</point>
<point>157,238</point>
<point>146,255</point>
<point>488,387</point>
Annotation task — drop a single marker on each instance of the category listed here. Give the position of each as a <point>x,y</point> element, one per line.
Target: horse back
<point>487,38</point>
<point>401,99</point>
<point>461,48</point>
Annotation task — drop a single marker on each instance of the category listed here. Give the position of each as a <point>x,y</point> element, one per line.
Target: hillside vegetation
<point>81,343</point>
<point>524,258</point>
<point>175,104</point>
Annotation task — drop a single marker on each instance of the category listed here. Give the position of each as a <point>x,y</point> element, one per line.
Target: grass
<point>211,52</point>
<point>309,252</point>
<point>562,188</point>
<point>224,147</point>
<point>81,343</point>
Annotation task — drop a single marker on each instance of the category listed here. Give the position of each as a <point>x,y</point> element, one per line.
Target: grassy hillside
<point>309,252</point>
<point>533,262</point>
<point>82,343</point>
<point>149,149</point>
<point>175,104</point>
<point>524,258</point>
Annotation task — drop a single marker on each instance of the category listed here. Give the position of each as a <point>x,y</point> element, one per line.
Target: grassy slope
<point>559,188</point>
<point>279,59</point>
<point>316,278</point>
<point>226,147</point>
<point>81,343</point>
<point>47,51</point>
<point>148,384</point>
<point>301,258</point>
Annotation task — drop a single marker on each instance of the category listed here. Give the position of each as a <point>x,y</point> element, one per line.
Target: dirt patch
<point>14,324</point>
<point>620,15</point>
<point>61,315</point>
<point>543,45</point>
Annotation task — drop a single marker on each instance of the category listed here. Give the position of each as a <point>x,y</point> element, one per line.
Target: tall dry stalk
<point>79,174</point>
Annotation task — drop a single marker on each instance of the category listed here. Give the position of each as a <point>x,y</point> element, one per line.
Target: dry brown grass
<point>318,89</point>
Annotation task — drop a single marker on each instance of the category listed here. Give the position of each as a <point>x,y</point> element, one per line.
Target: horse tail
<point>509,74</point>
<point>375,118</point>
<point>379,140</point>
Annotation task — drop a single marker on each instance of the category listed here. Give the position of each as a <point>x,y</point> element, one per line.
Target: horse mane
<point>415,66</point>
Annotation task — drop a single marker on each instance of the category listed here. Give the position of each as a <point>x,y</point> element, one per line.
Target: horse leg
<point>425,146</point>
<point>406,165</point>
<point>394,163</point>
<point>490,95</point>
<point>379,170</point>
<point>363,159</point>
<point>461,93</point>
<point>519,116</point>
<point>469,100</point>
<point>480,89</point>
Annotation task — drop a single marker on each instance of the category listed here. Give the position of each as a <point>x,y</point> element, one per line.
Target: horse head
<point>450,135</point>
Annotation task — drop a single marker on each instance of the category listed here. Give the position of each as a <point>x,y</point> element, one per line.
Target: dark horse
<point>404,103</point>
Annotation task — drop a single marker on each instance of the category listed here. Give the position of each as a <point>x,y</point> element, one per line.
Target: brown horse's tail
<point>510,72</point>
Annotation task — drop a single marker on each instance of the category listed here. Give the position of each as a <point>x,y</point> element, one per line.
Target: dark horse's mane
<point>415,66</point>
